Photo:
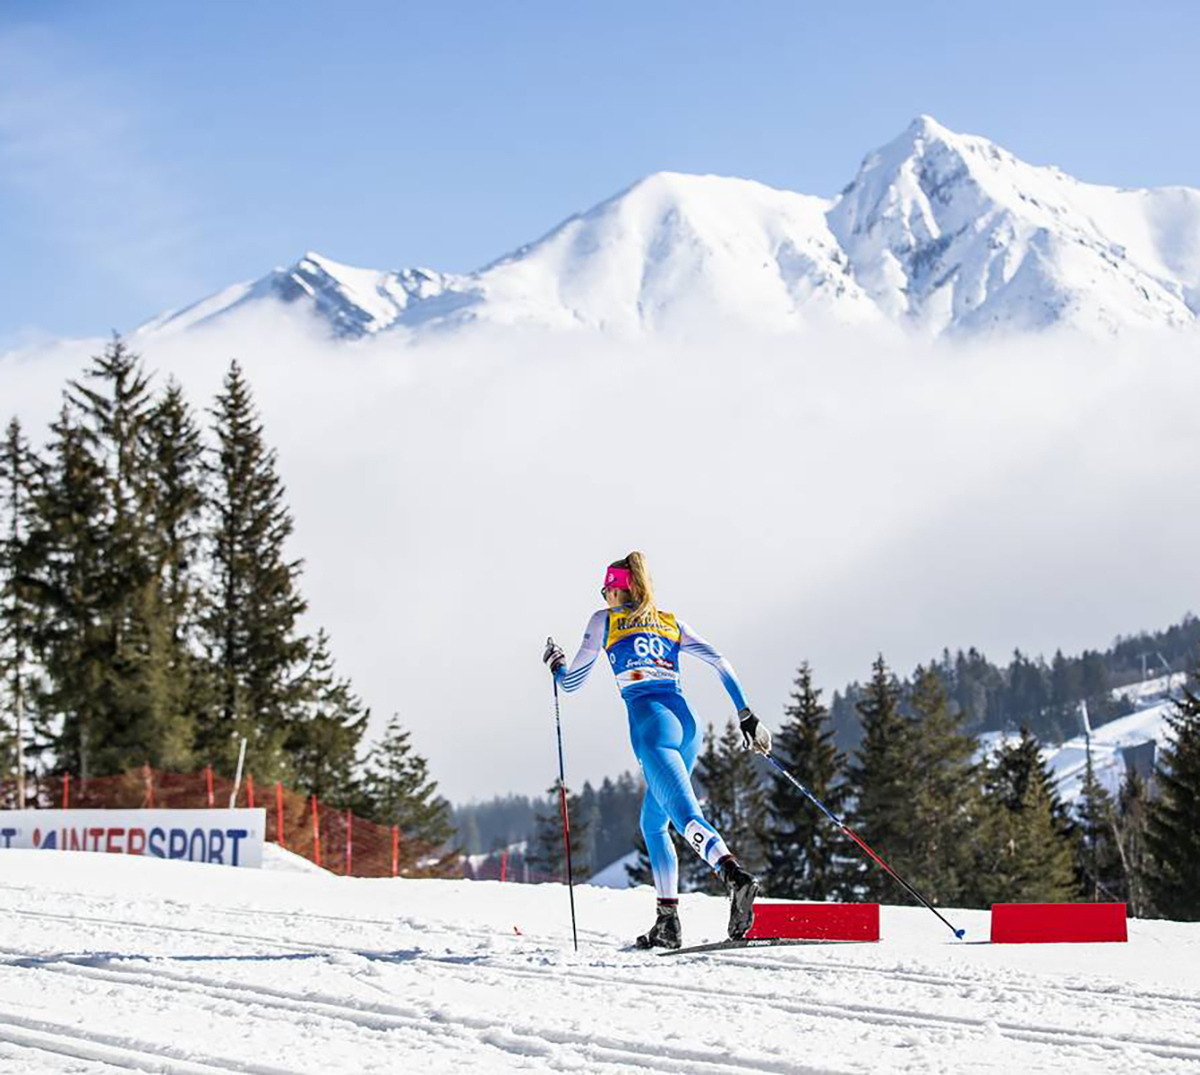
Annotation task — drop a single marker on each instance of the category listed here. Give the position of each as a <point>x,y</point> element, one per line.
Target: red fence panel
<point>816,921</point>
<point>1053,923</point>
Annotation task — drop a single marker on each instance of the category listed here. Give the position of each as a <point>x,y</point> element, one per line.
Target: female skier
<point>643,644</point>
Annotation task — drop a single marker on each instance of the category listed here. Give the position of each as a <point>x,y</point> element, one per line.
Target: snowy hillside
<point>1068,763</point>
<point>939,232</point>
<point>1110,742</point>
<point>113,964</point>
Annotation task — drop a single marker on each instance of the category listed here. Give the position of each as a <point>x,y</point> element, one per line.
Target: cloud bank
<point>823,499</point>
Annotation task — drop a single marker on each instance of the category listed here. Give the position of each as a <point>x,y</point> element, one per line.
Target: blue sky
<point>151,153</point>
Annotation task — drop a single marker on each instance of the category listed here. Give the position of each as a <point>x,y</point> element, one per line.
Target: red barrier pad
<point>1054,923</point>
<point>816,921</point>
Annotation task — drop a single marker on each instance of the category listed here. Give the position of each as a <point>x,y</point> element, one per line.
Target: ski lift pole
<point>959,933</point>
<point>562,797</point>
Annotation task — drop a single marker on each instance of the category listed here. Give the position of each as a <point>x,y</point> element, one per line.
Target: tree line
<point>1043,696</point>
<point>603,821</point>
<point>150,612</point>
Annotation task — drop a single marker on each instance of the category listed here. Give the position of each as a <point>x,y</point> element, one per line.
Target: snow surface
<point>939,232</point>
<point>110,964</point>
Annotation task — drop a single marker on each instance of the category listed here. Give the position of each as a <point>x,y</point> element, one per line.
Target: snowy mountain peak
<point>939,232</point>
<point>950,233</point>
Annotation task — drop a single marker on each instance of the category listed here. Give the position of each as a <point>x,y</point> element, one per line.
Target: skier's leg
<point>665,743</point>
<point>671,763</point>
<point>664,863</point>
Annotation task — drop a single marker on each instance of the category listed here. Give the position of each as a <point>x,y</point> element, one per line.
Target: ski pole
<point>562,797</point>
<point>959,933</point>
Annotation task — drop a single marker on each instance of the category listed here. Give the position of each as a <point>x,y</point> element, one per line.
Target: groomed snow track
<point>110,964</point>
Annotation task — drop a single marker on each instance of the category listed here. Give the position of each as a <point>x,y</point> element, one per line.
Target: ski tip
<point>960,933</point>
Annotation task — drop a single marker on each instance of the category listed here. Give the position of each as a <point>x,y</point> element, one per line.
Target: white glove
<point>755,734</point>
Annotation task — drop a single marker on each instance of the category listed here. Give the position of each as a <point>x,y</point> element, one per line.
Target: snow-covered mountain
<point>938,232</point>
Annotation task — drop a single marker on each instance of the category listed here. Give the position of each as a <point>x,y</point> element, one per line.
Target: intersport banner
<point>223,837</point>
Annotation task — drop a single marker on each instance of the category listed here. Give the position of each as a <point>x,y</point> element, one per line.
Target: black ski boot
<point>666,931</point>
<point>742,888</point>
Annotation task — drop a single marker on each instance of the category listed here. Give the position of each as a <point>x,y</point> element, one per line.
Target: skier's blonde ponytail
<point>641,587</point>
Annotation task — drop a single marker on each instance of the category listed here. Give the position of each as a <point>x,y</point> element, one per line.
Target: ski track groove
<point>1166,1047</point>
<point>524,1040</point>
<point>45,1036</point>
<point>781,964</point>
<point>919,977</point>
<point>885,1016</point>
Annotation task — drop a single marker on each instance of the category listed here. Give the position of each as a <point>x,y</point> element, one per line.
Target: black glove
<point>755,734</point>
<point>553,656</point>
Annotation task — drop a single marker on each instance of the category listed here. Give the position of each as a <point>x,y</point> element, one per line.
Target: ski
<point>751,942</point>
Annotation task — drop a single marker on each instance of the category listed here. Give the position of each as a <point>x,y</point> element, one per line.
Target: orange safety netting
<point>334,839</point>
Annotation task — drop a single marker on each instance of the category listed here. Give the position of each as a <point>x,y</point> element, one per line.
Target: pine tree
<point>257,653</point>
<point>141,719</point>
<point>67,546</point>
<point>1130,825</point>
<point>547,857</point>
<point>18,476</point>
<point>881,779</point>
<point>1023,850</point>
<point>620,803</point>
<point>325,729</point>
<point>178,497</point>
<point>737,808</point>
<point>398,790</point>
<point>944,802</point>
<point>1098,855</point>
<point>103,639</point>
<point>1173,832</point>
<point>807,856</point>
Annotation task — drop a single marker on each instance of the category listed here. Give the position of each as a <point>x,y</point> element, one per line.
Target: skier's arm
<point>690,642</point>
<point>571,677</point>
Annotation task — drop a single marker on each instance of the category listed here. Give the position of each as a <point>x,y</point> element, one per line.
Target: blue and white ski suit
<point>644,655</point>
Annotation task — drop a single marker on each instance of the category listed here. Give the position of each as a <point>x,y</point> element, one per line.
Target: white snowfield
<point>111,964</point>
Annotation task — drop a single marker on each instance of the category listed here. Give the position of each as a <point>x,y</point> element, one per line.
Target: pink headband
<point>616,578</point>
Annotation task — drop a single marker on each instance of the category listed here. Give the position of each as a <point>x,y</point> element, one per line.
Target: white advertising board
<point>223,837</point>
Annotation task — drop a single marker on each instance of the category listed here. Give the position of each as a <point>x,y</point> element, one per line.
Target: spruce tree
<point>101,635</point>
<point>67,546</point>
<point>737,806</point>
<point>1130,825</point>
<point>1098,855</point>
<point>547,857</point>
<point>251,626</point>
<point>1173,831</point>
<point>324,730</point>
<point>1023,851</point>
<point>18,476</point>
<point>398,790</point>
<point>881,780</point>
<point>807,857</point>
<point>944,802</point>
<point>178,497</point>
<point>620,803</point>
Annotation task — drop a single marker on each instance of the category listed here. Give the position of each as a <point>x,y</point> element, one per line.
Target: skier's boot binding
<point>666,931</point>
<point>742,888</point>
